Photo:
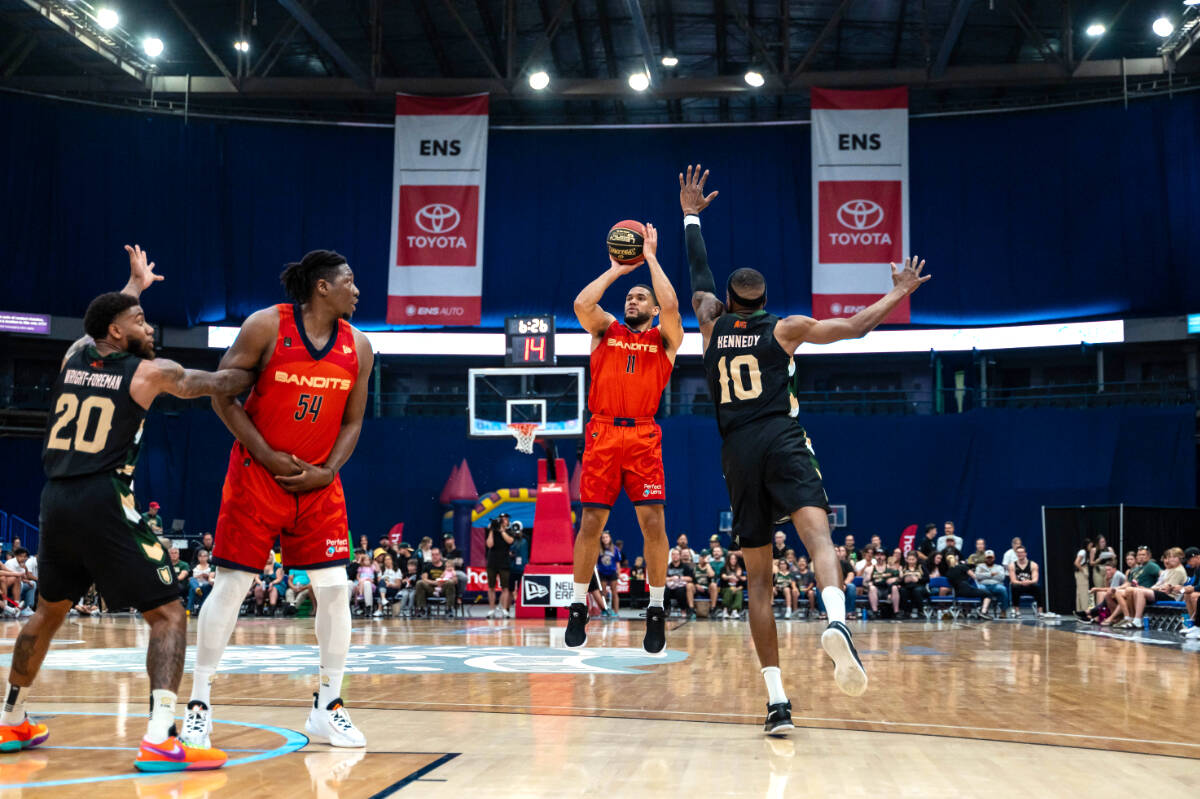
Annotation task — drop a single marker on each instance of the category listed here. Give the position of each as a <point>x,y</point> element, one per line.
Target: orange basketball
<point>625,242</point>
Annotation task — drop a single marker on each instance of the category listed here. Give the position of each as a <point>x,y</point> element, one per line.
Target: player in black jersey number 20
<point>90,530</point>
<point>766,456</point>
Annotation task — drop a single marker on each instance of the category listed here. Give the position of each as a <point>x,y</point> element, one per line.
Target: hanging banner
<point>859,198</point>
<point>439,169</point>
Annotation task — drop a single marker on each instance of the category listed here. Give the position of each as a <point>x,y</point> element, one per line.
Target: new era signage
<point>547,590</point>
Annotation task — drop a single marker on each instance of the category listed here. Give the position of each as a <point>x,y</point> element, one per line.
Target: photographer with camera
<point>499,566</point>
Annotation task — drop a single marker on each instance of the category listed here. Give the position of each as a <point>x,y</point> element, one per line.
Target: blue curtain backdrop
<point>989,471</point>
<point>1023,217</point>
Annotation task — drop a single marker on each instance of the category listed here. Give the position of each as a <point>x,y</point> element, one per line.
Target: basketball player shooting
<point>91,530</point>
<point>298,427</point>
<point>631,363</point>
<point>767,458</point>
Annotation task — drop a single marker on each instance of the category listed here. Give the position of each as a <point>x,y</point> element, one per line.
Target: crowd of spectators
<point>1118,599</point>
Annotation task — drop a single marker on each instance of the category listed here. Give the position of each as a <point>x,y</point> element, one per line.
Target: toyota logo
<point>854,214</point>
<point>438,218</point>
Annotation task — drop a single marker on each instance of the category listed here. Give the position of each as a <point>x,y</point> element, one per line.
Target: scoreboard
<point>529,341</point>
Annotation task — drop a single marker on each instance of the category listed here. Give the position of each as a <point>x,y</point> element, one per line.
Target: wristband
<point>691,219</point>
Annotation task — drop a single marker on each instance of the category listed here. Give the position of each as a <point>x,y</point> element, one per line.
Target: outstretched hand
<point>623,269</point>
<point>691,191</point>
<point>141,274</point>
<point>908,276</point>
<point>650,241</point>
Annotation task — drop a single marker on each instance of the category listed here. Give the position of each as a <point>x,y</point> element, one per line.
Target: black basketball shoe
<point>848,671</point>
<point>779,718</point>
<point>655,641</point>
<point>577,619</point>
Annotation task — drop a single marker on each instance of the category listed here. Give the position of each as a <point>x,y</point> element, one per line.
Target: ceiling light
<point>107,18</point>
<point>242,46</point>
<point>539,80</point>
<point>1163,27</point>
<point>153,46</point>
<point>639,81</point>
<point>1191,2</point>
<point>672,61</point>
<point>754,78</point>
<point>1096,29</point>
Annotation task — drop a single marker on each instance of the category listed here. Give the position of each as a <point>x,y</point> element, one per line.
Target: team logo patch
<point>536,589</point>
<point>329,552</point>
<point>164,574</point>
<point>153,552</point>
<point>287,341</point>
<point>347,350</point>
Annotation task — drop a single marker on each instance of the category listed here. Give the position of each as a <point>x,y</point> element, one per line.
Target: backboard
<point>550,397</point>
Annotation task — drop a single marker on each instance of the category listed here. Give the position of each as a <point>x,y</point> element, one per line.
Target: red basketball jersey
<point>299,398</point>
<point>629,372</point>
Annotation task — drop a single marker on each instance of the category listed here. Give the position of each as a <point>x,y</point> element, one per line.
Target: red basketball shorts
<point>313,527</point>
<point>622,453</point>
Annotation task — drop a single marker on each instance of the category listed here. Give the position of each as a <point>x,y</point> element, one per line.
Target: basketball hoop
<point>525,433</point>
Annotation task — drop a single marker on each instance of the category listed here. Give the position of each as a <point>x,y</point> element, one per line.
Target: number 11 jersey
<point>749,374</point>
<point>300,395</point>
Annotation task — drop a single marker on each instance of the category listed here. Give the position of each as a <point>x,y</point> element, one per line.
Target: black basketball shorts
<point>771,472</point>
<point>91,532</point>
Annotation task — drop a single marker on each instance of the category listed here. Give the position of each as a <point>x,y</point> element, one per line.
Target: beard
<point>637,320</point>
<point>142,348</point>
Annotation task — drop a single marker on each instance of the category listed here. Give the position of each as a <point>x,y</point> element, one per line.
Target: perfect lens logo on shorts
<point>437,226</point>
<point>860,221</point>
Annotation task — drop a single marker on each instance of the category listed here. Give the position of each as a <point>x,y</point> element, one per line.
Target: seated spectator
<point>804,583</point>
<point>390,581</point>
<point>680,587</point>
<point>1167,588</point>
<point>851,549</point>
<point>989,575</point>
<point>437,579</point>
<point>865,559</point>
<point>733,581</point>
<point>882,579</point>
<point>88,605</point>
<point>681,544</point>
<point>936,567</point>
<point>299,586</point>
<point>1191,592</point>
<point>408,585</point>
<point>22,573</point>
<point>1130,561</point>
<point>424,553</point>
<point>1023,581</point>
<point>200,583</point>
<point>716,559</point>
<point>706,583</point>
<point>1011,554</point>
<point>914,584</point>
<point>977,557</point>
<point>927,547</point>
<point>182,573</point>
<point>268,587</point>
<point>1113,580</point>
<point>782,578</point>
<point>949,539</point>
<point>365,577</point>
<point>876,543</point>
<point>1143,573</point>
<point>458,561</point>
<point>779,547</point>
<point>637,580</point>
<point>206,541</point>
<point>959,575</point>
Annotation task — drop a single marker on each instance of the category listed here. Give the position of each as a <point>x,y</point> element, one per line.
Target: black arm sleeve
<point>702,277</point>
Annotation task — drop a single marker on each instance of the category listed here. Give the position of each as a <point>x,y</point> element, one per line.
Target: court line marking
<point>292,742</point>
<point>416,775</point>
<point>134,748</point>
<point>445,707</point>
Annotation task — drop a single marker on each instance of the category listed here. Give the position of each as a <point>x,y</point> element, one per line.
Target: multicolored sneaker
<point>26,735</point>
<point>173,755</point>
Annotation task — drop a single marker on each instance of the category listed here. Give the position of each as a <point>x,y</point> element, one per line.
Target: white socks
<point>368,594</point>
<point>581,593</point>
<point>775,693</point>
<point>218,617</point>
<point>656,596</point>
<point>14,705</point>
<point>333,637</point>
<point>835,603</point>
<point>162,715</point>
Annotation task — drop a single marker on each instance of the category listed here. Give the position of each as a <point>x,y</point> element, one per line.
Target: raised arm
<point>141,277</point>
<point>670,323</point>
<point>313,476</point>
<point>591,316</point>
<point>793,331</point>
<point>692,201</point>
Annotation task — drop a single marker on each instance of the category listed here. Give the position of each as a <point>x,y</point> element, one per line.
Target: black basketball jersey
<point>749,374</point>
<point>95,425</point>
<point>1023,572</point>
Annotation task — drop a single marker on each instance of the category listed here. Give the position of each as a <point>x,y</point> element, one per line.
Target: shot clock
<point>529,341</point>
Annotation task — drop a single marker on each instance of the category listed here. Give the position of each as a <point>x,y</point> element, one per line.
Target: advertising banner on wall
<point>859,198</point>
<point>439,169</point>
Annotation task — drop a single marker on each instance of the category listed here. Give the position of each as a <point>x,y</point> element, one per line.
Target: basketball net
<point>525,433</point>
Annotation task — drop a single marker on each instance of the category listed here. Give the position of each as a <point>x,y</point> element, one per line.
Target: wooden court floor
<point>499,708</point>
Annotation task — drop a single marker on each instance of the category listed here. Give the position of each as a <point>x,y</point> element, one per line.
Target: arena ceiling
<point>344,59</point>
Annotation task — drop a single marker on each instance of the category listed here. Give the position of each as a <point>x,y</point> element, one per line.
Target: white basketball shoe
<point>332,725</point>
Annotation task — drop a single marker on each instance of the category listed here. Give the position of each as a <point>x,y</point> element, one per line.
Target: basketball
<point>625,242</point>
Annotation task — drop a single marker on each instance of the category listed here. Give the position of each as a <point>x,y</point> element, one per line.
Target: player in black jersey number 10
<point>766,456</point>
